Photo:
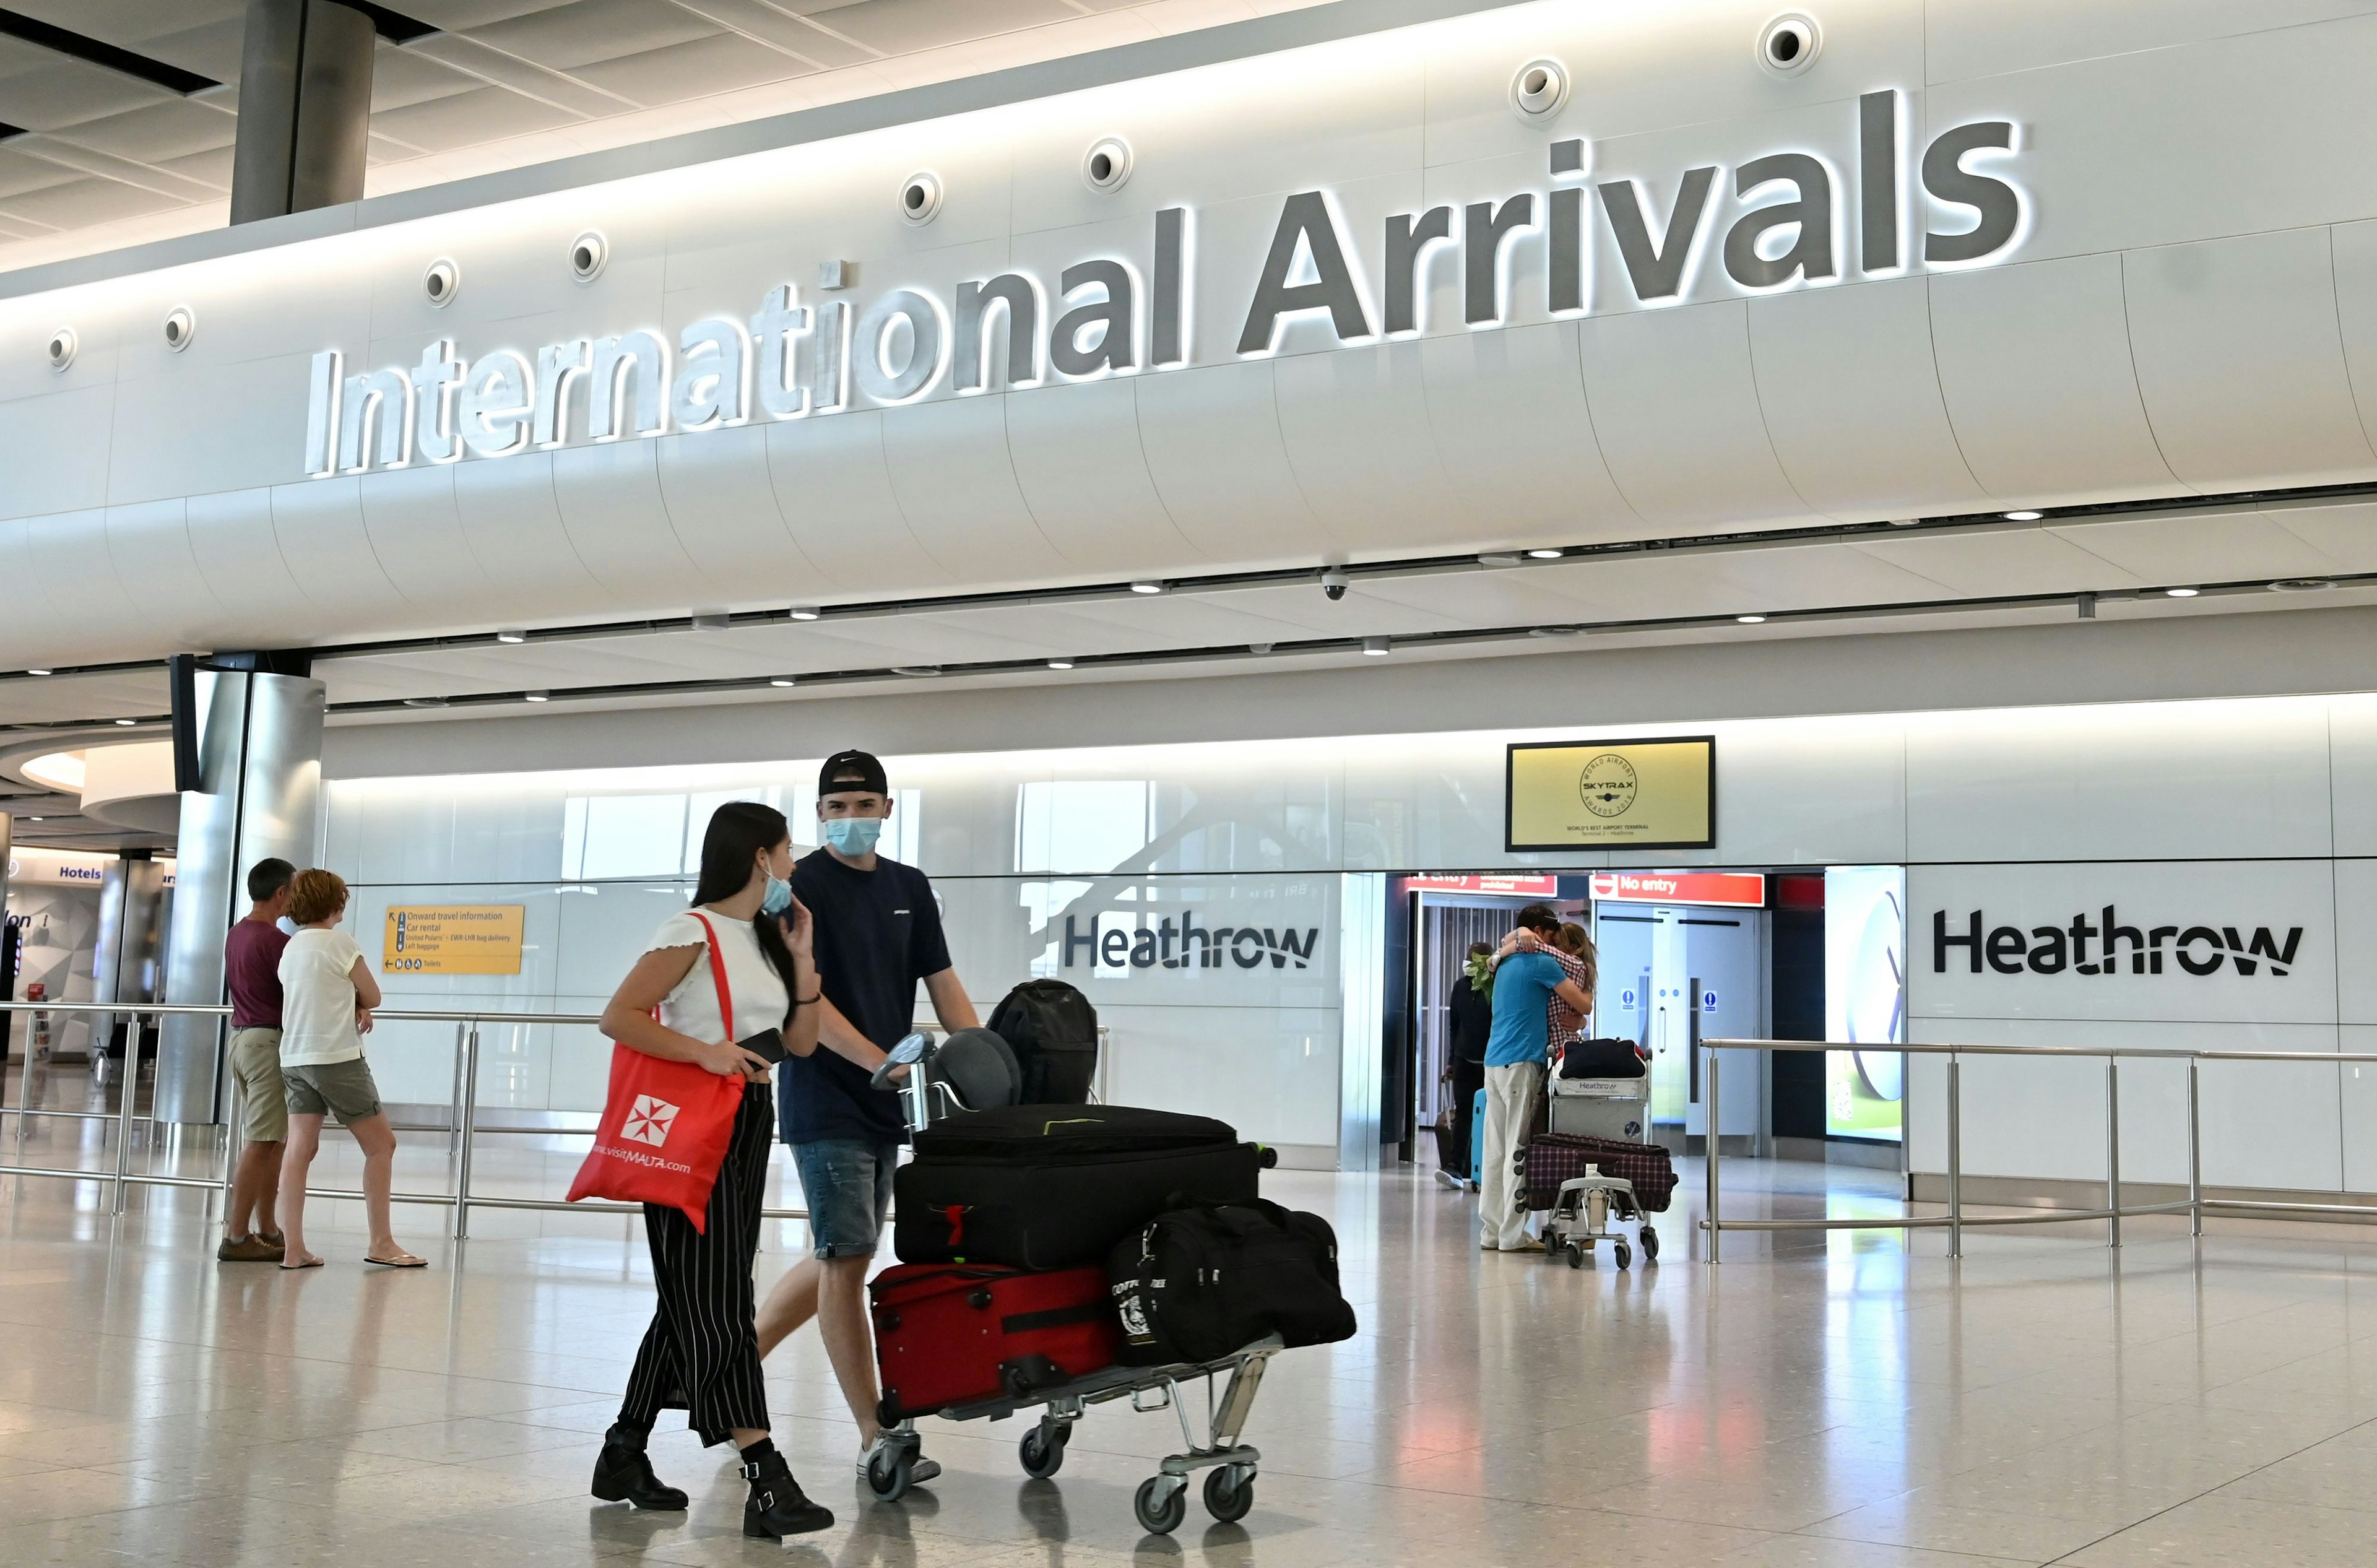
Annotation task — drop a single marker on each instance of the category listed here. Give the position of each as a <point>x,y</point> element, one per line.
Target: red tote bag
<point>666,1124</point>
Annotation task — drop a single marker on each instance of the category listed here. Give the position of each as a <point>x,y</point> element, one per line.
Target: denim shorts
<point>848,1184</point>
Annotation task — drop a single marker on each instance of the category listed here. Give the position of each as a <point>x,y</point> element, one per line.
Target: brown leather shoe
<point>254,1249</point>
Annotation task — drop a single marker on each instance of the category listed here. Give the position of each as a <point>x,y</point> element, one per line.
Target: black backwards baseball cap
<point>846,772</point>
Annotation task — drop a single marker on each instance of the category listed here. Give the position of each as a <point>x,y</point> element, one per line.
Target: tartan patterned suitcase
<point>1555,1158</point>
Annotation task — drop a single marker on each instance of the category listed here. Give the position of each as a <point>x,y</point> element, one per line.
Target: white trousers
<point>1509,1100</point>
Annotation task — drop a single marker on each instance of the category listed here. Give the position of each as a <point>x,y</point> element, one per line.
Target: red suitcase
<point>963,1334</point>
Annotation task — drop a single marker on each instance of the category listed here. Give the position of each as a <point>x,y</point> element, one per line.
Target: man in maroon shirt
<point>252,969</point>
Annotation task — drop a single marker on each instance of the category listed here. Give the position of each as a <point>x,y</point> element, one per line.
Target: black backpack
<point>1052,1031</point>
<point>1198,1282</point>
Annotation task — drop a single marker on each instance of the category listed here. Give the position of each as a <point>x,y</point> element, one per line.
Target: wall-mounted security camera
<point>181,326</point>
<point>1539,90</point>
<point>1107,163</point>
<point>1333,583</point>
<point>1790,44</point>
<point>439,283</point>
<point>588,253</point>
<point>920,197</point>
<point>61,346</point>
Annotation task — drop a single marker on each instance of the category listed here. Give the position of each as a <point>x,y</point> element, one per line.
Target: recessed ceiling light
<point>2180,593</point>
<point>1147,588</point>
<point>1751,620</point>
<point>781,681</point>
<point>127,723</point>
<point>2300,584</point>
<point>1375,647</point>
<point>1259,647</point>
<point>1545,555</point>
<point>37,818</point>
<point>915,669</point>
<point>806,612</point>
<point>37,672</point>
<point>1060,663</point>
<point>511,636</point>
<point>1500,558</point>
<point>2023,517</point>
<point>540,696</point>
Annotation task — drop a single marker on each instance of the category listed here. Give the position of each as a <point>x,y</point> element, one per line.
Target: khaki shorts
<point>264,1104</point>
<point>343,1087</point>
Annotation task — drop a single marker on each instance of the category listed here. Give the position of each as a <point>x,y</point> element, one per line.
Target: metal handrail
<point>1955,1221</point>
<point>463,1133</point>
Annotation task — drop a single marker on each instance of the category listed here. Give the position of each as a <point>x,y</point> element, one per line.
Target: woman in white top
<point>702,1354</point>
<point>327,994</point>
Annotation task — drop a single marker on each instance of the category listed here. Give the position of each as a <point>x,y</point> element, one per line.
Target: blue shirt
<point>1522,992</point>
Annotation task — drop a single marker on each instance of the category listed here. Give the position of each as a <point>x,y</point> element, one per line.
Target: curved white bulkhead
<point>2187,301</point>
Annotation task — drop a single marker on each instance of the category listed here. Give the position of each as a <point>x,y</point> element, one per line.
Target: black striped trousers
<point>702,1354</point>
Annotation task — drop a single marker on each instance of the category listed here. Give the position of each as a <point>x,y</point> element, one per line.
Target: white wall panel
<point>2356,920</point>
<point>2179,551</point>
<point>1358,436</point>
<point>610,501</point>
<point>2356,1090</point>
<point>237,555</point>
<point>1792,795</point>
<point>36,432</point>
<point>2239,360</point>
<point>192,428</point>
<point>1514,438</point>
<point>2352,251</point>
<point>150,548</point>
<point>2152,146</point>
<point>1675,404</point>
<point>1851,397</point>
<point>1078,459</point>
<point>2035,365</point>
<point>957,488</point>
<point>2132,782</point>
<point>2352,748</point>
<point>1988,38</point>
<point>417,536</point>
<point>1214,446</point>
<point>721,504</point>
<point>319,528</point>
<point>834,487</point>
<point>72,567</point>
<point>512,519</point>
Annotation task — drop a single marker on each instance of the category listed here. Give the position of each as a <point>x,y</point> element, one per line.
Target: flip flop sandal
<point>407,1261</point>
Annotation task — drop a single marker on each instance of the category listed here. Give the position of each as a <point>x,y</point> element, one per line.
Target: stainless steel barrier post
<point>1708,1096</point>
<point>124,1117</point>
<point>469,1113</point>
<point>454,1116</point>
<point>2194,1152</point>
<point>1956,1159</point>
<point>2113,1146</point>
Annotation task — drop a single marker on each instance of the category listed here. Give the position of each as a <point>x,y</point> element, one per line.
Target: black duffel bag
<point>1198,1282</point>
<point>1601,1058</point>
<point>1052,1031</point>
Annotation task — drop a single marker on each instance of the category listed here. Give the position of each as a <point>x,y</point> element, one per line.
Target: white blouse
<point>758,990</point>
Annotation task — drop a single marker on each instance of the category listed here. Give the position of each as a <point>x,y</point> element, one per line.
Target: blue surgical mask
<point>779,896</point>
<point>853,836</point>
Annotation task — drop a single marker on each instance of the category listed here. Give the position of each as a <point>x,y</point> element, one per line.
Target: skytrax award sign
<point>1776,222</point>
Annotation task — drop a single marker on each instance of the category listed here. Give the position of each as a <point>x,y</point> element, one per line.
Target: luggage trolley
<point>1162,1501</point>
<point>1580,1216</point>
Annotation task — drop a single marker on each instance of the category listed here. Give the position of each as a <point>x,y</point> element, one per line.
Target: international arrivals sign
<point>1787,219</point>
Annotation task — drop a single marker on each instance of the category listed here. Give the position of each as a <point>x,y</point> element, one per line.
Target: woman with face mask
<point>702,1354</point>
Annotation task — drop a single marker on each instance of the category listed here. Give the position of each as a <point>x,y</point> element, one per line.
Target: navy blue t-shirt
<point>878,934</point>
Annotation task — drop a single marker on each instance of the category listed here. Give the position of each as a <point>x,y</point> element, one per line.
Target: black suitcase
<point>1053,1187</point>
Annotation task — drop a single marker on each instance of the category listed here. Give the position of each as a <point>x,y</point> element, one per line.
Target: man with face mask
<point>878,932</point>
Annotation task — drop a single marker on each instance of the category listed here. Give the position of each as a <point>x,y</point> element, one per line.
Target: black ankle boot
<point>624,1474</point>
<point>777,1508</point>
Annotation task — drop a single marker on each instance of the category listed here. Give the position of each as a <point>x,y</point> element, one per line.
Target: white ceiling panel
<point>2203,549</point>
<point>2031,561</point>
<point>721,62</point>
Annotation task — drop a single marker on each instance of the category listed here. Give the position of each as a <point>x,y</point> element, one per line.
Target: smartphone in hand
<point>767,1046</point>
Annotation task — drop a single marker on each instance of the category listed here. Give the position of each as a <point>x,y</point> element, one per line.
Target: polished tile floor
<point>1814,1400</point>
